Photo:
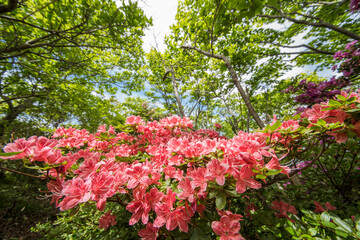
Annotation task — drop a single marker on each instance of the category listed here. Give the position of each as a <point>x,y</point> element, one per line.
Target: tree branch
<point>21,173</point>
<point>314,24</point>
<point>300,46</point>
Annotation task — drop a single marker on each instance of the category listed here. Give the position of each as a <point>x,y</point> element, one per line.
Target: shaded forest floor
<point>21,206</point>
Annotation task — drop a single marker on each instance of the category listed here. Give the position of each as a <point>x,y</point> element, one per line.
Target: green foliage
<point>256,36</point>
<point>62,59</point>
<point>21,206</point>
<point>83,222</point>
<point>323,226</point>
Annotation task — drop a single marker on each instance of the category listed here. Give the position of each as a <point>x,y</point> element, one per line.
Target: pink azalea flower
<point>217,170</point>
<point>106,220</point>
<point>55,187</point>
<point>318,207</point>
<point>244,179</point>
<point>232,216</point>
<point>149,233</point>
<point>274,164</point>
<point>172,218</point>
<point>172,172</point>
<point>340,137</point>
<point>198,178</point>
<point>76,191</point>
<point>102,188</point>
<point>227,229</point>
<point>138,174</point>
<point>329,206</point>
<point>283,208</point>
<point>315,113</point>
<point>26,148</point>
<point>143,203</point>
<point>134,120</point>
<point>188,191</point>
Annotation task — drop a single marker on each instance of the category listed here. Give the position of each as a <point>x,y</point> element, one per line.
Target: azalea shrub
<point>177,182</point>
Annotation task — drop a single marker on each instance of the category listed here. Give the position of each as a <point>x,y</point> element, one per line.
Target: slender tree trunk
<point>266,106</point>
<point>235,80</point>
<point>176,91</point>
<point>248,114</point>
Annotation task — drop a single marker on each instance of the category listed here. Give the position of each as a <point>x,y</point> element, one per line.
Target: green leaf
<point>325,217</point>
<point>74,211</point>
<point>321,122</point>
<point>340,232</point>
<point>334,103</point>
<point>290,230</point>
<point>275,126</point>
<point>328,224</point>
<point>340,97</point>
<point>260,176</point>
<point>313,231</point>
<point>343,225</point>
<point>271,172</point>
<point>213,194</point>
<point>9,154</point>
<point>232,193</point>
<point>220,201</point>
<point>357,222</point>
<point>350,100</point>
<point>198,234</point>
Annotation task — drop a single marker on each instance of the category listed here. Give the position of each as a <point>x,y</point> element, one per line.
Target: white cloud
<point>163,13</point>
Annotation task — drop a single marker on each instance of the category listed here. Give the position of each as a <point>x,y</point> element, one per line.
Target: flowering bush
<point>172,178</point>
<point>310,93</point>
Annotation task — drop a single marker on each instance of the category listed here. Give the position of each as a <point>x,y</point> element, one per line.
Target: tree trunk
<point>176,91</point>
<point>236,81</point>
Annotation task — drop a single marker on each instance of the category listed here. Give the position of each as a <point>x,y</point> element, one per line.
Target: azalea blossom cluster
<point>332,113</point>
<point>335,116</point>
<point>165,167</point>
<point>167,172</point>
<point>312,93</point>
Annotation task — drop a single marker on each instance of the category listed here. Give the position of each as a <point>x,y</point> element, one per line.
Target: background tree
<point>59,59</point>
<point>179,82</point>
<point>262,41</point>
